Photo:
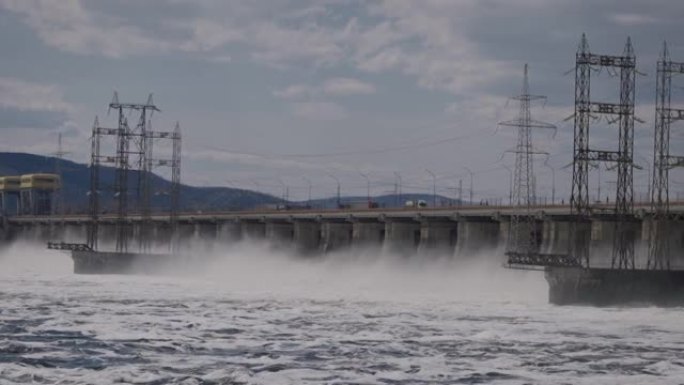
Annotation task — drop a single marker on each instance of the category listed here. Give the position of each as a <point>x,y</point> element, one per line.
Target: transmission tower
<point>59,154</point>
<point>175,185</point>
<point>133,154</point>
<point>94,193</point>
<point>623,113</point>
<point>523,233</point>
<point>659,248</point>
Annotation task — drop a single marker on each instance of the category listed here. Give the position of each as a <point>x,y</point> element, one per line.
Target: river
<point>256,315</point>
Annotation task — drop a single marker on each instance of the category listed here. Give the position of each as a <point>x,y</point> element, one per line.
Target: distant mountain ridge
<point>76,184</point>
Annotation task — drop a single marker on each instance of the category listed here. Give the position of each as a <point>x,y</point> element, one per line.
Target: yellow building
<point>49,182</point>
<point>10,183</point>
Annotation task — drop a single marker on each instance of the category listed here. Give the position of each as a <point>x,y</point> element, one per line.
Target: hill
<point>76,183</point>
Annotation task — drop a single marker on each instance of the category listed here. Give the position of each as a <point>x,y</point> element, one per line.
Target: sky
<point>276,95</point>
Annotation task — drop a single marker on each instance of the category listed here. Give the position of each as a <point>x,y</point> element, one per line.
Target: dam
<point>455,231</point>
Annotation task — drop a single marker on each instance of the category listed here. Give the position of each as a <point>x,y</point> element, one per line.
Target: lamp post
<point>397,187</point>
<point>460,192</point>
<point>510,184</point>
<point>338,189</point>
<point>471,183</point>
<point>553,183</point>
<point>367,188</point>
<point>649,180</point>
<point>434,187</point>
<point>286,190</point>
<point>308,181</point>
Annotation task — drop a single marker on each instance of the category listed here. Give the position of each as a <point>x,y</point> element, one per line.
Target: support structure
<point>622,112</point>
<point>58,207</point>
<point>133,162</point>
<point>175,186</point>
<point>659,239</point>
<point>94,193</point>
<point>523,233</point>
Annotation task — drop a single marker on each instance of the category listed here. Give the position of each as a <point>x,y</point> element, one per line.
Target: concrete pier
<point>307,236</point>
<point>438,236</point>
<point>477,235</point>
<point>252,229</point>
<point>206,231</point>
<point>280,232</point>
<point>555,236</point>
<point>402,236</point>
<point>336,235</point>
<point>229,232</point>
<point>368,233</point>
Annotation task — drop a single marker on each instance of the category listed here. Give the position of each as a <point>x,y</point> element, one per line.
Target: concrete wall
<point>555,237</point>
<point>280,233</point>
<point>368,233</point>
<point>252,230</point>
<point>307,236</point>
<point>603,233</point>
<point>402,237</point>
<point>476,236</point>
<point>674,233</point>
<point>229,232</point>
<point>438,236</point>
<point>336,235</point>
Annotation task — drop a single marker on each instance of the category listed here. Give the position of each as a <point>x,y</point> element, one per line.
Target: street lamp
<point>553,183</point>
<point>460,192</point>
<point>338,189</point>
<point>367,187</point>
<point>510,185</point>
<point>434,187</point>
<point>471,183</point>
<point>308,181</point>
<point>397,186</point>
<point>648,175</point>
<point>286,190</point>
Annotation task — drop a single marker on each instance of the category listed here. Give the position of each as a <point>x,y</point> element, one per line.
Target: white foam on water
<point>249,313</point>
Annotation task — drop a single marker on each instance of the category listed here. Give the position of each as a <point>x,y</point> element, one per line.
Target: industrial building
<point>30,194</point>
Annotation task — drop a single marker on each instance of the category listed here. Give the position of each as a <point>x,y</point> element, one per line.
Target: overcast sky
<point>277,92</point>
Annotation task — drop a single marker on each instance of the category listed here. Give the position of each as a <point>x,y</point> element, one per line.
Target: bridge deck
<point>466,211</point>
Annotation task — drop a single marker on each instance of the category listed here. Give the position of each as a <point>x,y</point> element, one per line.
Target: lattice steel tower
<point>659,239</point>
<point>623,113</point>
<point>523,233</point>
<point>133,154</point>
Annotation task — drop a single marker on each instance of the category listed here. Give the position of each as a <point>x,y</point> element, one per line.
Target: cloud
<point>69,26</point>
<point>631,19</point>
<point>466,55</point>
<point>319,110</point>
<point>26,96</point>
<point>429,42</point>
<point>296,92</point>
<point>418,41</point>
<point>30,113</point>
<point>14,119</point>
<point>347,86</point>
<point>330,87</point>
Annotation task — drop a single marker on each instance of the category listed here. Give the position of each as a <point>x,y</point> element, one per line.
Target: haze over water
<point>254,315</point>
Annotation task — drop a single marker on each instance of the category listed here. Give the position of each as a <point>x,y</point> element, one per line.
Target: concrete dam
<point>464,231</point>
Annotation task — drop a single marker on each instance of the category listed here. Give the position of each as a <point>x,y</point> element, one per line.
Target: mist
<point>258,269</point>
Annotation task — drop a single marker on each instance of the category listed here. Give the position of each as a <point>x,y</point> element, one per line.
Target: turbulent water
<point>256,316</point>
